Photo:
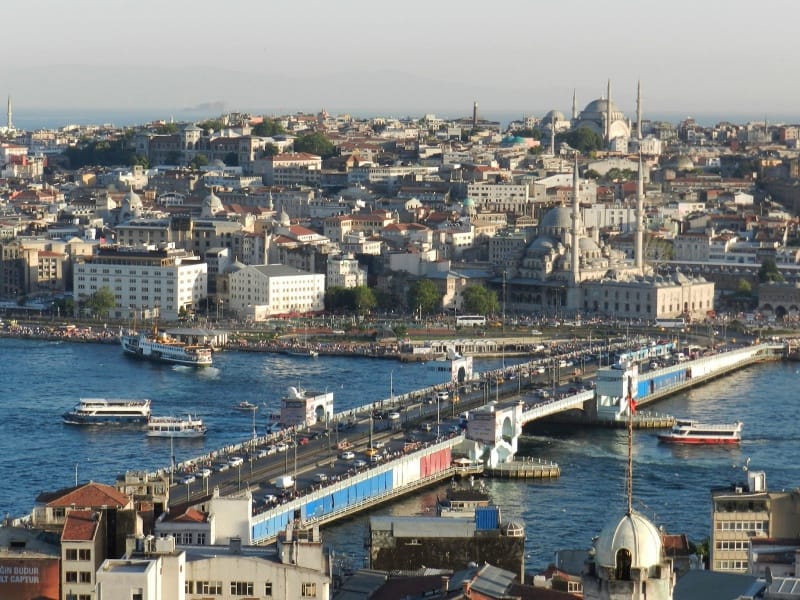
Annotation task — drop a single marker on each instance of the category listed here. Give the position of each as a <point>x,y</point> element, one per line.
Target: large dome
<point>559,217</point>
<point>553,117</point>
<point>633,533</point>
<point>600,107</point>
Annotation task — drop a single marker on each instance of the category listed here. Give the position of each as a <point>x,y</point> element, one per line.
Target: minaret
<point>639,111</point>
<point>575,223</point>
<point>608,113</point>
<point>475,114</point>
<point>553,137</point>
<point>640,218</point>
<point>9,122</point>
<point>574,106</point>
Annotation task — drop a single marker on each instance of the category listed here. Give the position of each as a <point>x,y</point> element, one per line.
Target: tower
<point>640,218</point>
<point>9,122</point>
<point>639,113</point>
<point>608,113</point>
<point>574,107</point>
<point>475,114</point>
<point>575,224</point>
<point>553,137</point>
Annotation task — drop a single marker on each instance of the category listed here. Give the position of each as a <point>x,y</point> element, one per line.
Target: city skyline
<point>278,57</point>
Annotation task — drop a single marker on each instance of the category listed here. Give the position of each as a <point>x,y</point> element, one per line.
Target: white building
<point>344,271</point>
<point>258,292</point>
<point>143,279</point>
<point>506,197</point>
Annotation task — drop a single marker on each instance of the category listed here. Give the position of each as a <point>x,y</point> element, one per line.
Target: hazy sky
<point>701,56</point>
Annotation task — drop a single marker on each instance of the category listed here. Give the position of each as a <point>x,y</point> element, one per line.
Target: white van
<point>284,481</point>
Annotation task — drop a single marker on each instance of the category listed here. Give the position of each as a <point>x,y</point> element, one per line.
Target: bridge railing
<point>553,406</point>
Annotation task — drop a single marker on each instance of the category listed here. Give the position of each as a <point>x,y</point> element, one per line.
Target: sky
<point>525,57</point>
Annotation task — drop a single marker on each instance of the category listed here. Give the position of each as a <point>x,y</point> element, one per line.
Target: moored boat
<point>305,351</point>
<point>190,427</point>
<point>162,348</point>
<point>100,411</point>
<point>691,432</point>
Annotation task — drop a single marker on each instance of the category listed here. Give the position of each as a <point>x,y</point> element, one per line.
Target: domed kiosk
<point>633,542</point>
<point>212,206</point>
<point>131,206</point>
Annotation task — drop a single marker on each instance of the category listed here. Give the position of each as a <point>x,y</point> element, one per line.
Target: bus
<point>470,321</point>
<point>677,323</point>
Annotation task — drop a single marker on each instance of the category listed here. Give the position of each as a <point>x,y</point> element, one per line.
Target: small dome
<point>132,199</point>
<point>588,245</point>
<point>559,217</point>
<point>212,205</point>
<point>633,533</point>
<point>512,529</point>
<point>681,163</point>
<point>468,202</point>
<point>554,116</point>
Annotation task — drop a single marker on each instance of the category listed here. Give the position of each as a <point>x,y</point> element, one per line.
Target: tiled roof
<point>190,515</point>
<point>92,494</point>
<point>80,526</point>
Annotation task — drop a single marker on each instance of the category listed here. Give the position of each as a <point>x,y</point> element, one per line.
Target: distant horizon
<point>30,119</point>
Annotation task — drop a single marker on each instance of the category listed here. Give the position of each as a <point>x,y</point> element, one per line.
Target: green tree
<point>268,128</point>
<point>480,301</point>
<point>591,174</point>
<point>167,128</point>
<point>101,301</point>
<point>315,143</point>
<point>582,139</point>
<point>743,287</point>
<point>424,295</point>
<point>363,299</point>
<point>200,160</point>
<point>211,125</point>
<point>769,271</point>
<point>138,159</point>
<point>271,150</point>
<point>400,330</point>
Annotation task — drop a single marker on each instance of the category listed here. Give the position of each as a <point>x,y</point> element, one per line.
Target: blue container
<point>487,518</point>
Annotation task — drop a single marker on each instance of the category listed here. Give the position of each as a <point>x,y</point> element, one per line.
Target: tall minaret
<point>9,122</point>
<point>640,218</point>
<point>575,223</point>
<point>553,137</point>
<point>608,113</point>
<point>475,114</point>
<point>639,111</point>
<point>574,106</point>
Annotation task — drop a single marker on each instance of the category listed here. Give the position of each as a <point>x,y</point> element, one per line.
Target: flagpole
<point>629,474</point>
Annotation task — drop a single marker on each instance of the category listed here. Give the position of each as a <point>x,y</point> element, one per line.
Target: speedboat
<point>246,406</point>
<point>691,432</point>
<point>190,427</point>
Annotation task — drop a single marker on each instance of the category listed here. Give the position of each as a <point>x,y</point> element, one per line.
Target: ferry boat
<point>304,351</point>
<point>99,411</point>
<point>176,427</point>
<point>691,432</point>
<point>162,348</point>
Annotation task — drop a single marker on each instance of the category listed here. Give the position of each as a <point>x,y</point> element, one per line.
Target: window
<point>268,588</point>
<point>309,590</point>
<point>71,554</point>
<point>242,588</point>
<point>209,587</point>
<point>189,587</point>
<point>71,577</point>
<point>201,539</point>
<point>86,577</point>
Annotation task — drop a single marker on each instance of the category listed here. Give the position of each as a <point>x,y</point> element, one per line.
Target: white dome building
<point>131,206</point>
<point>604,118</point>
<point>633,542</point>
<point>212,206</point>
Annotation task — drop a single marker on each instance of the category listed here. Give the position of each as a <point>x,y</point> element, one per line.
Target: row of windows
<point>752,526</point>
<point>78,577</point>
<point>78,554</point>
<point>187,537</point>
<point>732,545</point>
<point>242,588</point>
<point>730,565</point>
<point>70,596</point>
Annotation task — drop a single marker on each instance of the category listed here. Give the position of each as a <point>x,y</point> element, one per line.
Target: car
<point>375,459</point>
<point>359,463</point>
<point>282,447</point>
<point>347,455</point>
<point>442,396</point>
<point>320,477</point>
<point>393,416</point>
<point>269,499</point>
<point>426,426</point>
<point>430,400</point>
<point>235,461</point>
<point>221,467</point>
<point>204,472</point>
<point>371,451</point>
<point>378,444</point>
<point>188,479</point>
<point>262,453</point>
<point>302,441</point>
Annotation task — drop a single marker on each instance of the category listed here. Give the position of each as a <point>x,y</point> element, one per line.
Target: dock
<point>525,468</point>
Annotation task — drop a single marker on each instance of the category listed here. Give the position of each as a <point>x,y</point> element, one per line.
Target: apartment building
<point>258,292</point>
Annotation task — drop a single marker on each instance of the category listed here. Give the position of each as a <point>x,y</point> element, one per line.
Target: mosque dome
<point>633,533</point>
<point>597,108</point>
<point>131,205</point>
<point>553,116</point>
<point>212,205</point>
<point>588,246</point>
<point>559,217</point>
<point>513,140</point>
<point>468,202</point>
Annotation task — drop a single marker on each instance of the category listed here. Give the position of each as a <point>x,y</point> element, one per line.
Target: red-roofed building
<point>83,549</point>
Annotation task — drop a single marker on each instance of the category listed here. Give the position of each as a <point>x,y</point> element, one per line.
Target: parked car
<point>371,451</point>
<point>393,416</point>
<point>188,479</point>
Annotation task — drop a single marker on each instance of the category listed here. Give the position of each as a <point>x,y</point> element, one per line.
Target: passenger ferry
<point>99,411</point>
<point>176,427</point>
<point>162,348</point>
<point>691,432</point>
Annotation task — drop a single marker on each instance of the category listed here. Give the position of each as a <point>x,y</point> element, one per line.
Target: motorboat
<point>303,351</point>
<point>244,405</point>
<point>100,411</point>
<point>691,432</point>
<point>189,427</point>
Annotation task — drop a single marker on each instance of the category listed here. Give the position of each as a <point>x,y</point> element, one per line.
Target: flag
<point>632,404</point>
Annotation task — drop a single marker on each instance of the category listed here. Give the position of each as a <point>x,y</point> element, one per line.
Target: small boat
<point>100,411</point>
<point>305,351</point>
<point>190,427</point>
<point>691,432</point>
<point>246,406</point>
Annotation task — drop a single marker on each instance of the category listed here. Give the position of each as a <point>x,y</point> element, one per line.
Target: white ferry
<point>161,348</point>
<point>176,427</point>
<point>691,432</point>
<point>99,411</point>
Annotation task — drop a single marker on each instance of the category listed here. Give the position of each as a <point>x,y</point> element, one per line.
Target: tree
<point>743,287</point>
<point>268,128</point>
<point>231,159</point>
<point>101,301</point>
<point>591,174</point>
<point>582,139</point>
<point>211,125</point>
<point>199,160</point>
<point>423,295</point>
<point>315,143</point>
<point>358,299</point>
<point>167,128</point>
<point>140,160</point>
<point>271,150</point>
<point>363,299</point>
<point>769,271</point>
<point>480,301</point>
